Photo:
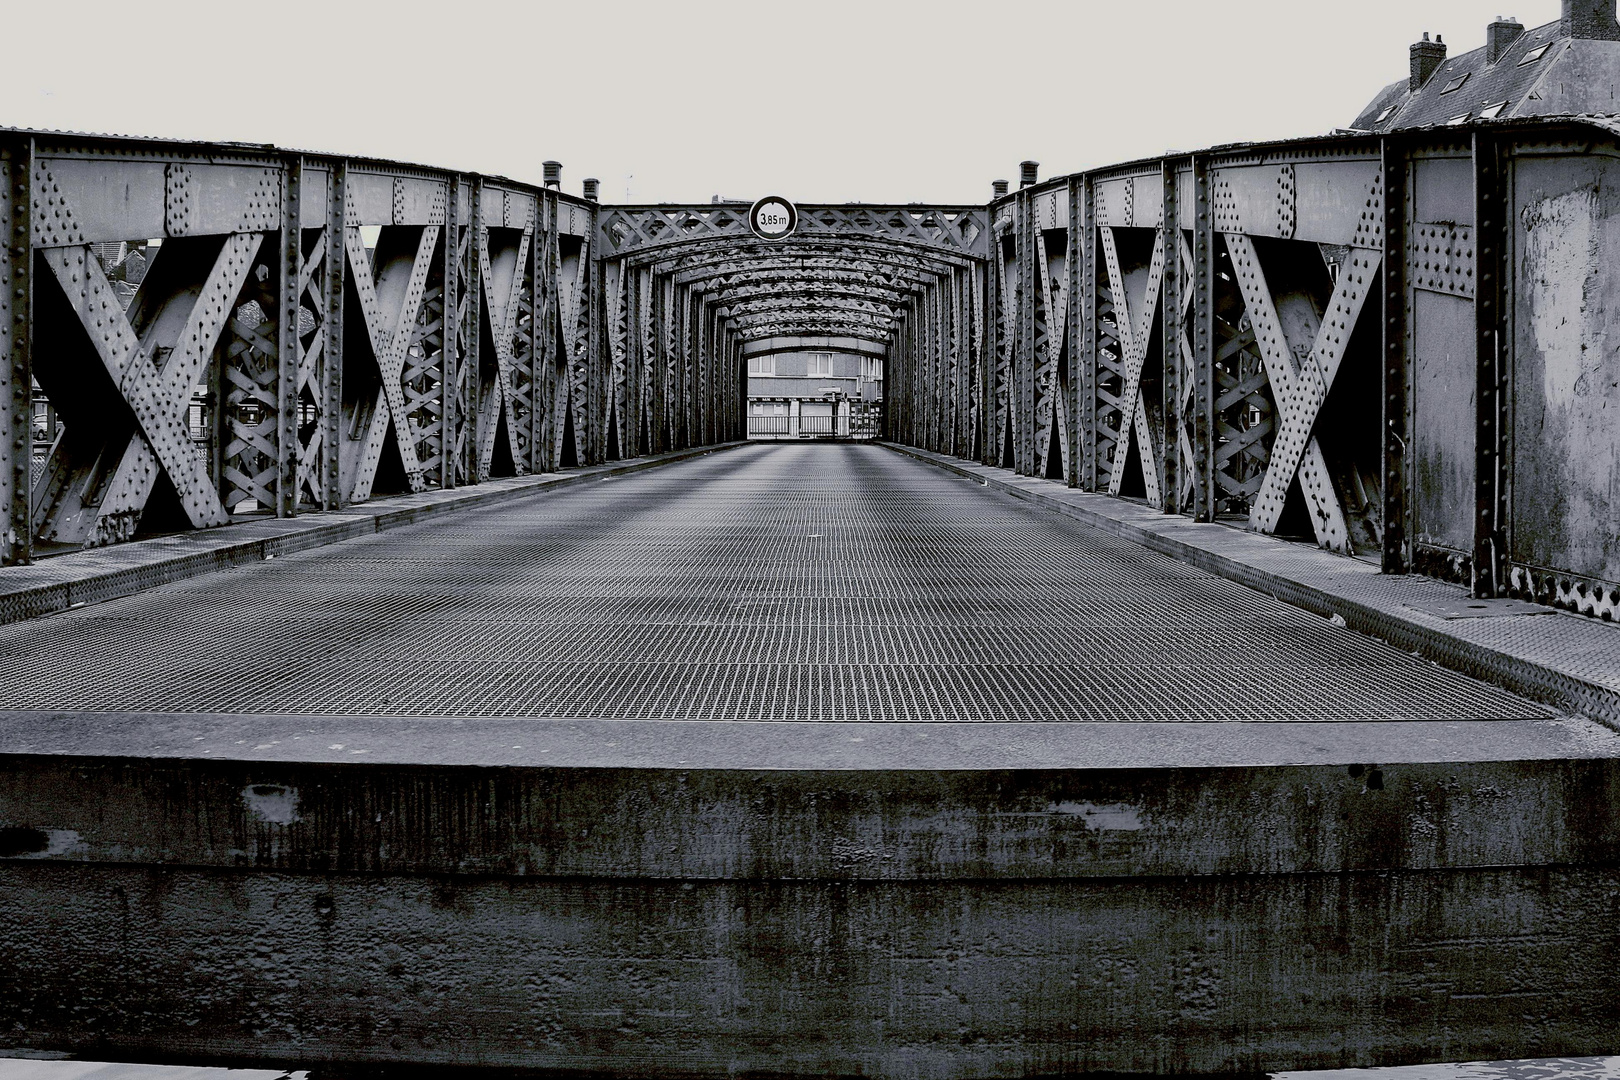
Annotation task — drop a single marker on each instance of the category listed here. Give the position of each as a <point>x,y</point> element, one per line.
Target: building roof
<point>1468,87</point>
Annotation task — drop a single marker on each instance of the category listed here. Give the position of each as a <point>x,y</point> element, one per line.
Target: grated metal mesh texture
<point>774,582</point>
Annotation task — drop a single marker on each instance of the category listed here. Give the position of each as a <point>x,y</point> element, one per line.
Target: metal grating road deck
<point>780,582</point>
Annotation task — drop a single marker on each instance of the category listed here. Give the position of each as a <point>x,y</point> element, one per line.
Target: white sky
<point>829,101</point>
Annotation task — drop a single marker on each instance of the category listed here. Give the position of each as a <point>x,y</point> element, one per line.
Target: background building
<point>1568,66</point>
<point>807,389</point>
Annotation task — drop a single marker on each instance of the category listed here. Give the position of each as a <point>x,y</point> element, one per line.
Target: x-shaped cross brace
<point>183,335</point>
<point>573,307</point>
<point>1299,387</point>
<point>1134,335</point>
<point>1055,302</point>
<point>503,286</point>
<point>309,457</point>
<point>389,306</point>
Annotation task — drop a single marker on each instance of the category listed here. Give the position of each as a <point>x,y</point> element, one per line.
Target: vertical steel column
<point>678,336</point>
<point>936,360</point>
<point>1396,399</point>
<point>549,338</point>
<point>953,403</point>
<point>471,377</point>
<point>332,388</point>
<point>991,357</point>
<point>450,333</point>
<point>1073,321</point>
<point>292,250</point>
<point>635,356</point>
<point>1085,358</point>
<point>536,335</point>
<point>16,355</point>
<point>1170,318</point>
<point>1202,281</point>
<point>1490,241</point>
<point>1028,292</point>
<point>597,378</point>
<point>660,368</point>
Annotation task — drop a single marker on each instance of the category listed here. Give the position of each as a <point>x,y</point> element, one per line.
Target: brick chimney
<point>1590,19</point>
<point>1427,56</point>
<point>1026,173</point>
<point>1499,35</point>
<point>998,187</point>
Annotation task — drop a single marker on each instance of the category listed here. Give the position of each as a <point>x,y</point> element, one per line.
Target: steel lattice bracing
<point>1262,334</point>
<point>1349,340</point>
<point>689,288</point>
<point>243,330</point>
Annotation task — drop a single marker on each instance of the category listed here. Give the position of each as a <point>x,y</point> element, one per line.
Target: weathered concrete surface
<point>907,979</point>
<point>871,919</point>
<point>748,823</point>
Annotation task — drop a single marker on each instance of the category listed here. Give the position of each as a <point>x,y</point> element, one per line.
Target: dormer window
<point>1491,112</point>
<point>1455,84</point>
<point>1463,119</point>
<point>1385,115</point>
<point>1535,54</point>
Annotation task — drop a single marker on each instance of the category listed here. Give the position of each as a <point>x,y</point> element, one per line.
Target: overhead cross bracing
<point>828,278</point>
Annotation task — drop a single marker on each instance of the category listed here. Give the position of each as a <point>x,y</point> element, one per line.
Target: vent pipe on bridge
<point>998,188</point>
<point>590,185</point>
<point>552,174</point>
<point>1026,173</point>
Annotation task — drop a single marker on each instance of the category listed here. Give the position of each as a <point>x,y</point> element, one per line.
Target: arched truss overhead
<point>820,290</point>
<point>625,230</point>
<point>823,279</point>
<point>685,289</point>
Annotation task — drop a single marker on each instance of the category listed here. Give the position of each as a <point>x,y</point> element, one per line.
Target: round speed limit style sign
<point>773,218</point>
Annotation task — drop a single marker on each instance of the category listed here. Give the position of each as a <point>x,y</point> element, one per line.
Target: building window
<point>1386,114</point>
<point>1455,84</point>
<point>1535,54</point>
<point>1491,112</point>
<point>872,368</point>
<point>762,365</point>
<point>820,363</point>
<point>1462,119</point>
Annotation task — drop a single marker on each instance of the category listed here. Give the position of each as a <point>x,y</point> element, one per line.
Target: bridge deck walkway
<point>767,583</point>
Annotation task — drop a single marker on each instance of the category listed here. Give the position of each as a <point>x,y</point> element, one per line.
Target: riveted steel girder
<point>627,230</point>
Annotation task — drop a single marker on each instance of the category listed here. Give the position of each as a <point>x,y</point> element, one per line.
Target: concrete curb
<point>89,577</point>
<point>1530,678</point>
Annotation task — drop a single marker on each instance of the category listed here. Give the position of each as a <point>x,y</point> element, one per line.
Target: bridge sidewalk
<point>88,577</point>
<point>1571,661</point>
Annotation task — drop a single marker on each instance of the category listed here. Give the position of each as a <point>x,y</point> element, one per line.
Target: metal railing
<point>770,425</point>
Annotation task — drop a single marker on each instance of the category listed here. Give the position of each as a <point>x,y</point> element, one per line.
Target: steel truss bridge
<point>1312,295</point>
<point>1219,834</point>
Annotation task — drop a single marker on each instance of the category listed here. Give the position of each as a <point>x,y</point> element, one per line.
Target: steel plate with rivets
<point>777,582</point>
